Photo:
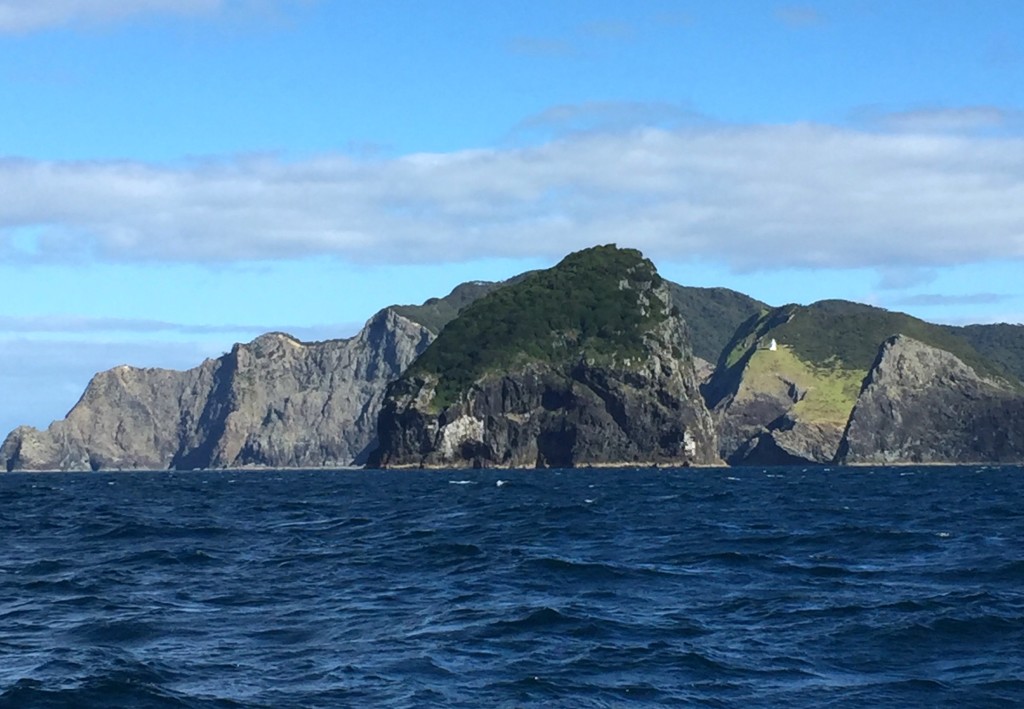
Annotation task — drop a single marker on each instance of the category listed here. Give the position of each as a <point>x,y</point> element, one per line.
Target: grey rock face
<point>745,422</point>
<point>920,404</point>
<point>127,418</point>
<point>758,424</point>
<point>785,441</point>
<point>273,402</point>
<point>546,415</point>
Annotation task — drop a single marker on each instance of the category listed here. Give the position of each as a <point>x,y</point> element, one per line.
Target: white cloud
<point>751,197</point>
<point>900,278</point>
<point>87,328</point>
<point>570,45</point>
<point>606,116</point>
<point>540,47</point>
<point>798,16</point>
<point>32,15</point>
<point>944,299</point>
<point>614,30</point>
<point>948,120</point>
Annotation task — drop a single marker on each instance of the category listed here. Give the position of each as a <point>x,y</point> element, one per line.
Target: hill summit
<point>585,363</point>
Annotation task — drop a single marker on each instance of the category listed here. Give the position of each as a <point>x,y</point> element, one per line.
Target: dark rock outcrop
<point>785,441</point>
<point>541,416</point>
<point>273,402</point>
<point>920,404</point>
<point>573,410</point>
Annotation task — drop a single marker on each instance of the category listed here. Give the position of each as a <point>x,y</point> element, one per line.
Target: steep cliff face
<point>587,363</point>
<point>127,418</point>
<point>275,402</point>
<point>921,404</point>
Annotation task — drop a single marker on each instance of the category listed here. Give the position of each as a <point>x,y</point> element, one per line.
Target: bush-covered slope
<point>435,313</point>
<point>1001,343</point>
<point>714,315</point>
<point>842,333</point>
<point>593,303</point>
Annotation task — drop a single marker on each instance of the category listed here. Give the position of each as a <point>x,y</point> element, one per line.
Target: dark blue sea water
<point>775,587</point>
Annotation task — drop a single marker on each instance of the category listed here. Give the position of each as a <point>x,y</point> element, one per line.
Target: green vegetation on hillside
<point>713,316</point>
<point>438,312</point>
<point>1000,343</point>
<point>836,342</point>
<point>588,304</point>
<point>853,332</point>
<point>747,336</point>
<point>828,392</point>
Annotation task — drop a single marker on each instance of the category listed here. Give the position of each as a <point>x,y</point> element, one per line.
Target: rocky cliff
<point>587,363</point>
<point>273,402</point>
<point>920,404</point>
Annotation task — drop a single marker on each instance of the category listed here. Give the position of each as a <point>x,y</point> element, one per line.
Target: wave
<point>317,590</point>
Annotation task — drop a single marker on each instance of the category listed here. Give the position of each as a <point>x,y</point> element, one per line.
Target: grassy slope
<point>836,341</point>
<point>837,331</point>
<point>829,391</point>
<point>576,307</point>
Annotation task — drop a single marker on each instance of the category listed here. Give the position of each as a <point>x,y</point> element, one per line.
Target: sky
<point>180,175</point>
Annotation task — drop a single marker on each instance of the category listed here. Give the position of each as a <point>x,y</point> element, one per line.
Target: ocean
<point>743,587</point>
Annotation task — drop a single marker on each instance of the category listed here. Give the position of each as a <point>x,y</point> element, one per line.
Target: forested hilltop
<point>585,363</point>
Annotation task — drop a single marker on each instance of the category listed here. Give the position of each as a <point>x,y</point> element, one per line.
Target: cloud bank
<point>752,197</point>
<point>18,16</point>
<point>87,327</point>
<point>799,16</point>
<point>943,299</point>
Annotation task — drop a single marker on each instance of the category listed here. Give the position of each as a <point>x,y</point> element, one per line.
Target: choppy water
<point>780,587</point>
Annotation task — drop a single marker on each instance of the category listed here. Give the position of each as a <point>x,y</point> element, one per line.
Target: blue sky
<point>178,175</point>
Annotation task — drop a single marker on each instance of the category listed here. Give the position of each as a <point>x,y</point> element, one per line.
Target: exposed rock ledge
<point>920,404</point>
